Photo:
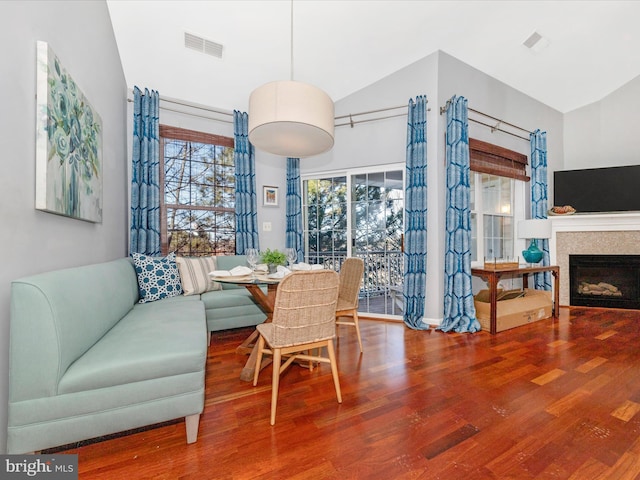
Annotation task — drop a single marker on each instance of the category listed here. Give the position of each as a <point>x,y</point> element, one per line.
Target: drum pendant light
<point>290,118</point>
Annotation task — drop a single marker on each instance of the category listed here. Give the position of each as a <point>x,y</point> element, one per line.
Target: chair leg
<point>309,362</point>
<point>316,352</point>
<point>275,383</point>
<point>355,321</point>
<point>334,369</point>
<point>256,372</point>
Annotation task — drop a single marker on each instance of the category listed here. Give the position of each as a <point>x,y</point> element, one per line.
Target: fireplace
<point>611,281</point>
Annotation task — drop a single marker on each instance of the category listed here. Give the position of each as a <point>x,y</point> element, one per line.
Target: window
<point>497,178</point>
<point>359,213</point>
<point>197,206</point>
<point>325,218</point>
<point>492,223</point>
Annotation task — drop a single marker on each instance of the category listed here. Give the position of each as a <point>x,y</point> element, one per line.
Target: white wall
<point>81,35</point>
<point>604,133</point>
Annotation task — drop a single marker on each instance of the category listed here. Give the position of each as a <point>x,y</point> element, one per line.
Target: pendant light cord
<point>291,43</point>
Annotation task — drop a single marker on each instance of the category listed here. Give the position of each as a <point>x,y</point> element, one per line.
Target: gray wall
<point>604,133</point>
<point>270,169</point>
<point>439,76</point>
<point>384,142</point>
<point>81,35</point>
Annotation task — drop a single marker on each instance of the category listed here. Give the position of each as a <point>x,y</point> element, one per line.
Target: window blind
<point>485,157</point>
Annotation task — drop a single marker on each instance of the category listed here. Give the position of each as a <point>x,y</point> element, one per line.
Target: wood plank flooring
<point>550,400</point>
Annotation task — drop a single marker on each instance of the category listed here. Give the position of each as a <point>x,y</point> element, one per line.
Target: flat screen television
<point>593,190</point>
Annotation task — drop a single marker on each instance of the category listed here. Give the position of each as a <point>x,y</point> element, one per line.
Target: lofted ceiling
<point>592,47</point>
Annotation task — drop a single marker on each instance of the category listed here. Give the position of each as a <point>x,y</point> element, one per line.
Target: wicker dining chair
<point>303,322</point>
<point>351,273</point>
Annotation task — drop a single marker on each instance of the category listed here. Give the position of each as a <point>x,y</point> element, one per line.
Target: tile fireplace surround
<point>591,234</point>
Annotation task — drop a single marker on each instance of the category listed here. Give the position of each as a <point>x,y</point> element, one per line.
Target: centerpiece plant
<point>273,258</point>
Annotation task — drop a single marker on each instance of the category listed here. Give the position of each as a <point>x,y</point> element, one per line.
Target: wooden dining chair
<point>303,322</point>
<point>351,273</point>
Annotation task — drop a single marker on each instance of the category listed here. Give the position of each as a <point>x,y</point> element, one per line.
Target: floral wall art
<point>68,145</point>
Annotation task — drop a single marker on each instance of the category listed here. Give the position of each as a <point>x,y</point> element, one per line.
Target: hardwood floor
<point>557,400</point>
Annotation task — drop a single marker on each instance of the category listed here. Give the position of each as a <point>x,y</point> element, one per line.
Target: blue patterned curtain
<point>539,200</point>
<point>246,202</point>
<point>294,208</point>
<point>144,235</point>
<point>459,310</point>
<point>415,237</point>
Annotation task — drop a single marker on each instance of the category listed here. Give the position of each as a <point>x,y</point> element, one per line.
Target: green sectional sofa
<point>87,360</point>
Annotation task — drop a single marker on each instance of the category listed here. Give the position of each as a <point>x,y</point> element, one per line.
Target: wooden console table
<point>493,275</point>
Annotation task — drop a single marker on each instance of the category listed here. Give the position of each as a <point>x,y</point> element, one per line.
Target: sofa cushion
<point>158,277</point>
<point>231,309</point>
<point>194,274</point>
<point>229,298</point>
<point>154,340</point>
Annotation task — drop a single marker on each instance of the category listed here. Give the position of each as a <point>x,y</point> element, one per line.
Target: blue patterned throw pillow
<point>158,277</point>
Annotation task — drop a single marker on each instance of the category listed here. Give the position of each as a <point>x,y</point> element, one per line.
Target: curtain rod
<point>213,110</point>
<point>352,122</point>
<point>492,127</point>
<point>191,105</point>
<point>209,109</point>
<point>370,111</point>
<point>184,103</point>
<point>495,128</point>
<point>500,121</point>
<point>194,114</point>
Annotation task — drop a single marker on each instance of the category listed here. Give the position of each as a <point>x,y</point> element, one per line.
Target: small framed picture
<point>269,196</point>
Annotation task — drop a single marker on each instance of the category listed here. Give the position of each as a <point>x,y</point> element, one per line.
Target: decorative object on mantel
<point>534,230</point>
<point>565,210</point>
<point>68,144</point>
<point>290,118</point>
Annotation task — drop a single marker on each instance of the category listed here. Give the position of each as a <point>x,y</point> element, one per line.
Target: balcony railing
<point>381,290</point>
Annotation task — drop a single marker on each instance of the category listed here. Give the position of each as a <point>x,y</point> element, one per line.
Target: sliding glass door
<point>360,214</point>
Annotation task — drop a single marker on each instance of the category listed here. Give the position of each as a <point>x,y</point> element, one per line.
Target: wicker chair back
<point>305,308</point>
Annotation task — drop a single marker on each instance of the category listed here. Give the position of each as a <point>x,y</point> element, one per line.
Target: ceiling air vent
<point>532,40</point>
<point>202,45</point>
<point>536,42</point>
